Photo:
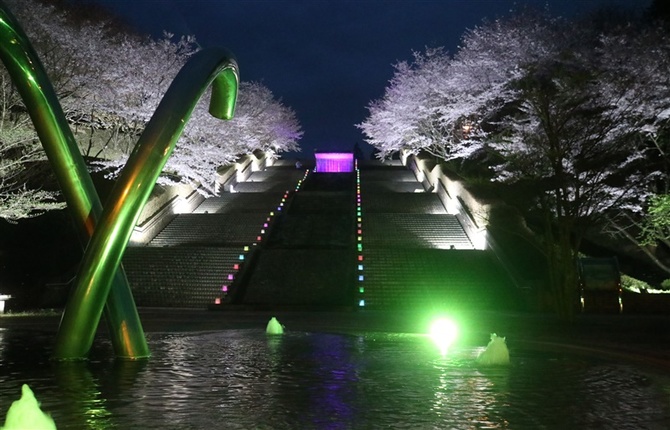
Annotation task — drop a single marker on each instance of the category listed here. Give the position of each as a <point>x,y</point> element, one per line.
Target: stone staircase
<point>417,256</point>
<point>370,239</point>
<point>196,259</point>
<point>308,261</point>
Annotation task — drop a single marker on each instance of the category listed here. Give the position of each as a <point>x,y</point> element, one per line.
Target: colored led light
<point>361,278</point>
<point>224,288</point>
<point>236,266</point>
<point>361,303</point>
<point>360,267</point>
<point>361,290</point>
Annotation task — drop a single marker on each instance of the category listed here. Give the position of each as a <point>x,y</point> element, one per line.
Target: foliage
<point>109,83</point>
<point>632,284</point>
<point>656,226</point>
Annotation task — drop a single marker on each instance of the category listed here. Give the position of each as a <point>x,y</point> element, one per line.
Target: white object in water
<point>496,352</point>
<point>274,327</point>
<point>25,413</point>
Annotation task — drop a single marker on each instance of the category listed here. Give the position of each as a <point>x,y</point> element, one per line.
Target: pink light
<point>217,301</point>
<point>224,288</point>
<point>334,162</point>
<point>236,266</point>
<point>230,277</point>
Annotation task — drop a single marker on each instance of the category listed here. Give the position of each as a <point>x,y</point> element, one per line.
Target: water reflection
<point>467,396</point>
<point>241,379</point>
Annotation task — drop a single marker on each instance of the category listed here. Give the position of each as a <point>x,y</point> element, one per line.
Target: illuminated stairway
<point>190,261</point>
<point>416,255</point>
<point>307,261</point>
<point>303,254</point>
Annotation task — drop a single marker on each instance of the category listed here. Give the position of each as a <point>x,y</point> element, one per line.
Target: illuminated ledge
<point>3,299</point>
<point>334,162</point>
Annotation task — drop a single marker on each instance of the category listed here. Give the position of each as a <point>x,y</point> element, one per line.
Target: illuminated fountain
<point>25,414</point>
<point>334,162</point>
<point>104,232</point>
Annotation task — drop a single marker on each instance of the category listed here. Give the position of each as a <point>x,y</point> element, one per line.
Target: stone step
<point>189,277</point>
<point>299,277</point>
<point>393,186</point>
<point>241,203</point>
<point>220,229</point>
<point>389,202</point>
<point>330,182</point>
<point>388,174</point>
<point>414,231</point>
<point>437,279</point>
<point>270,180</point>
<point>313,230</point>
<point>306,202</point>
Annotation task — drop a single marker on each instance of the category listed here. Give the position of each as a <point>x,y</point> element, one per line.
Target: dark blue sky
<point>328,59</point>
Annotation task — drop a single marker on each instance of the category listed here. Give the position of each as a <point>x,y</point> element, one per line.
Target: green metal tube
<point>133,187</point>
<point>77,186</point>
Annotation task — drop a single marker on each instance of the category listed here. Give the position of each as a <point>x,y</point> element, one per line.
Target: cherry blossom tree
<point>109,83</point>
<point>553,109</point>
<point>260,123</point>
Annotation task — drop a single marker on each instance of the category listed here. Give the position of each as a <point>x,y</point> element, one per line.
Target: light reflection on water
<point>243,379</point>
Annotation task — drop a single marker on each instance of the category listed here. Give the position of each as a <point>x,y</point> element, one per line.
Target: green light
<point>26,413</point>
<point>443,332</point>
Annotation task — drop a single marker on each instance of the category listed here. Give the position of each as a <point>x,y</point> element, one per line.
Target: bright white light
<point>443,332</point>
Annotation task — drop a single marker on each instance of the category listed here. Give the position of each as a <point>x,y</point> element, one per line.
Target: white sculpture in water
<point>496,352</point>
<point>25,413</point>
<point>274,327</point>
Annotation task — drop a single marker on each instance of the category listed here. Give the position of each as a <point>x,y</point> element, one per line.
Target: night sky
<point>328,59</point>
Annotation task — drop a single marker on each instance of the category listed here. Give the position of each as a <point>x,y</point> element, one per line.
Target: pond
<point>245,379</point>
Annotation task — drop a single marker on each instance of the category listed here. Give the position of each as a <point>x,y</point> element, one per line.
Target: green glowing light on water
<point>444,332</point>
<point>25,413</point>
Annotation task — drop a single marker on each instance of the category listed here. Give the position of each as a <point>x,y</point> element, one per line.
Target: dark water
<point>243,379</point>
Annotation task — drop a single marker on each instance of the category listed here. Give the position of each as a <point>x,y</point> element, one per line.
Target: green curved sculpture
<point>101,283</point>
<point>133,187</point>
<point>77,186</point>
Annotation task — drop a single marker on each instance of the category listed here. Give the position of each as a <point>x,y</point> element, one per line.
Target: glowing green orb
<point>444,332</point>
